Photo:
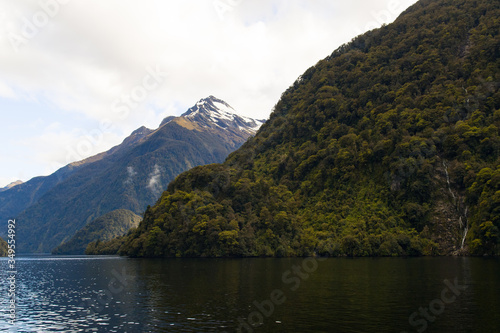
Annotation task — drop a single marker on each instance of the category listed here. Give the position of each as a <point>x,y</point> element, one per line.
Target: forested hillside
<point>104,228</point>
<point>388,147</point>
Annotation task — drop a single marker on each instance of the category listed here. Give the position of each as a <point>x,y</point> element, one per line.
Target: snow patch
<point>211,110</point>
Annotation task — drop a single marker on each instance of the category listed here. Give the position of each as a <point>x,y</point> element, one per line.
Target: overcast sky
<point>78,76</point>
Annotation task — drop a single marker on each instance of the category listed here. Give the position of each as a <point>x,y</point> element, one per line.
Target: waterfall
<point>466,230</point>
<point>448,181</point>
<point>457,206</point>
<point>463,238</point>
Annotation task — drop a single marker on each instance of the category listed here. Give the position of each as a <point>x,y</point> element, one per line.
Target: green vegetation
<point>107,247</point>
<point>129,176</point>
<point>3,248</point>
<point>388,147</point>
<point>110,225</point>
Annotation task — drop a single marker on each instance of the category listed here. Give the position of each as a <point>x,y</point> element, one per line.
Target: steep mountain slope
<point>16,199</point>
<point>390,146</point>
<point>110,225</point>
<point>129,176</point>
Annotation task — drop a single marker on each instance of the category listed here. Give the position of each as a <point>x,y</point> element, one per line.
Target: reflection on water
<point>113,294</point>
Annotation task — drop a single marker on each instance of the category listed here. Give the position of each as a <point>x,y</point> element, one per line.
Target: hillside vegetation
<point>388,147</point>
<point>110,225</point>
<point>3,248</point>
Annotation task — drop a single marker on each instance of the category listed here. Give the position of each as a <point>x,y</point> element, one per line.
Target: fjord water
<point>114,294</point>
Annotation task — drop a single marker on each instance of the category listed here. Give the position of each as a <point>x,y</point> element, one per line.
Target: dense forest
<point>113,224</point>
<point>388,147</point>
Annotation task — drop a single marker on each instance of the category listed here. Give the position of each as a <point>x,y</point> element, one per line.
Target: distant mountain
<point>15,199</point>
<point>129,176</point>
<point>11,185</point>
<point>388,147</point>
<point>104,228</point>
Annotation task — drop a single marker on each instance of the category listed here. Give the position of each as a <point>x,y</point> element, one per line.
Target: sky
<point>78,76</point>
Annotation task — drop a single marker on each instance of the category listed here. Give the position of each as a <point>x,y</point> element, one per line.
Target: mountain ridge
<point>11,185</point>
<point>129,176</point>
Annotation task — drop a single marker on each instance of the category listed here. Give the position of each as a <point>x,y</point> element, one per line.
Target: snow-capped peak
<point>212,111</point>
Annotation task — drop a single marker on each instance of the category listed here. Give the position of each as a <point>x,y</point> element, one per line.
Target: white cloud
<point>154,183</point>
<point>91,52</point>
<point>58,146</point>
<point>131,173</point>
<point>6,91</point>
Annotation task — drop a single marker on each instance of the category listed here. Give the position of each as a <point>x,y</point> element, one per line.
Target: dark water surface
<point>113,294</point>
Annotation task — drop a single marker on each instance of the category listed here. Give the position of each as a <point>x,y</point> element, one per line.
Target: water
<point>114,294</point>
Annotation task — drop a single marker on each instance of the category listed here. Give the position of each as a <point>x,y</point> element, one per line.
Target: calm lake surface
<point>114,294</point>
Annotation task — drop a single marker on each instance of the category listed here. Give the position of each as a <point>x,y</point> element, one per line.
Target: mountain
<point>214,113</point>
<point>11,185</point>
<point>388,147</point>
<point>104,228</point>
<point>131,175</point>
<point>15,199</point>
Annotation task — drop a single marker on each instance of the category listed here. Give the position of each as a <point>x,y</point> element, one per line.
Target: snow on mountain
<point>211,111</point>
